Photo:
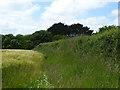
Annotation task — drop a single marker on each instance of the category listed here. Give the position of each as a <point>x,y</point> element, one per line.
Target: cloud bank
<point>16,15</point>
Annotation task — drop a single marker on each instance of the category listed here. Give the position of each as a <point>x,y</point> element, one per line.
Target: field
<point>79,62</point>
<point>22,69</point>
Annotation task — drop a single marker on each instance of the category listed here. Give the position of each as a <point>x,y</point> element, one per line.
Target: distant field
<point>21,68</point>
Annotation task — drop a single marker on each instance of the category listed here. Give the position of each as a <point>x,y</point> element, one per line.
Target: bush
<point>58,37</point>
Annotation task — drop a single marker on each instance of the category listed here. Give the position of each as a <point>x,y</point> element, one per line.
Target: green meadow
<point>78,62</point>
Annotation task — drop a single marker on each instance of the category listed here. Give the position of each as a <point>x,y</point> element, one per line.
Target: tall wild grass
<point>82,62</point>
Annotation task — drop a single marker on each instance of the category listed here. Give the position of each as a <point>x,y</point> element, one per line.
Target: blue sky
<point>42,5</point>
<point>105,11</point>
<point>28,16</point>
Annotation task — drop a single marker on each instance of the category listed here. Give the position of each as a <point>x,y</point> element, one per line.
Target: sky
<point>28,16</point>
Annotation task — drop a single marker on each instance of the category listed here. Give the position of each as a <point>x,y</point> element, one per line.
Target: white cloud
<point>71,11</point>
<point>97,22</point>
<point>43,0</point>
<point>116,21</point>
<point>71,8</point>
<point>115,12</point>
<point>16,16</point>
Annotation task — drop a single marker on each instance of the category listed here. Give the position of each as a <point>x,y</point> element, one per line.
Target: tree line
<point>55,32</point>
<point>69,30</point>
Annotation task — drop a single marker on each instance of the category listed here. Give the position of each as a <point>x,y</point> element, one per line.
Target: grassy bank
<point>82,62</point>
<point>22,69</point>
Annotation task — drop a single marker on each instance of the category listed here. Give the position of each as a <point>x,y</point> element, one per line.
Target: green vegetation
<point>56,32</point>
<point>83,62</point>
<point>107,28</point>
<point>22,69</point>
<point>77,62</point>
<point>69,30</point>
<point>19,41</point>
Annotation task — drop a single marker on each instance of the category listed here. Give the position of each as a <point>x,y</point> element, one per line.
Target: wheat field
<point>20,68</point>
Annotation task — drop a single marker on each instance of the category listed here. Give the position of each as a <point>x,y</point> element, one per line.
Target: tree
<point>79,29</point>
<point>41,37</point>
<point>6,41</point>
<point>58,29</point>
<point>15,44</point>
<point>19,37</point>
<point>107,28</point>
<point>27,43</point>
<point>75,29</point>
<point>11,36</point>
<point>72,30</point>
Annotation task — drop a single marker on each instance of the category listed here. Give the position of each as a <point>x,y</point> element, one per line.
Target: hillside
<point>82,62</point>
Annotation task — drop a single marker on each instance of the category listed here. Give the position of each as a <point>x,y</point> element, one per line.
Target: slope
<point>83,62</point>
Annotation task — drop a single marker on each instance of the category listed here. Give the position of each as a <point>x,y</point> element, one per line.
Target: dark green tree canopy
<point>41,37</point>
<point>72,30</point>
<point>58,29</point>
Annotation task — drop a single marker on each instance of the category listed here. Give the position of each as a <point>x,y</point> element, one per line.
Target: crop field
<point>21,69</point>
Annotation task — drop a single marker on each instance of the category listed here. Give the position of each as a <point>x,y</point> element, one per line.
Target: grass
<point>79,62</point>
<point>82,62</point>
<point>22,69</point>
